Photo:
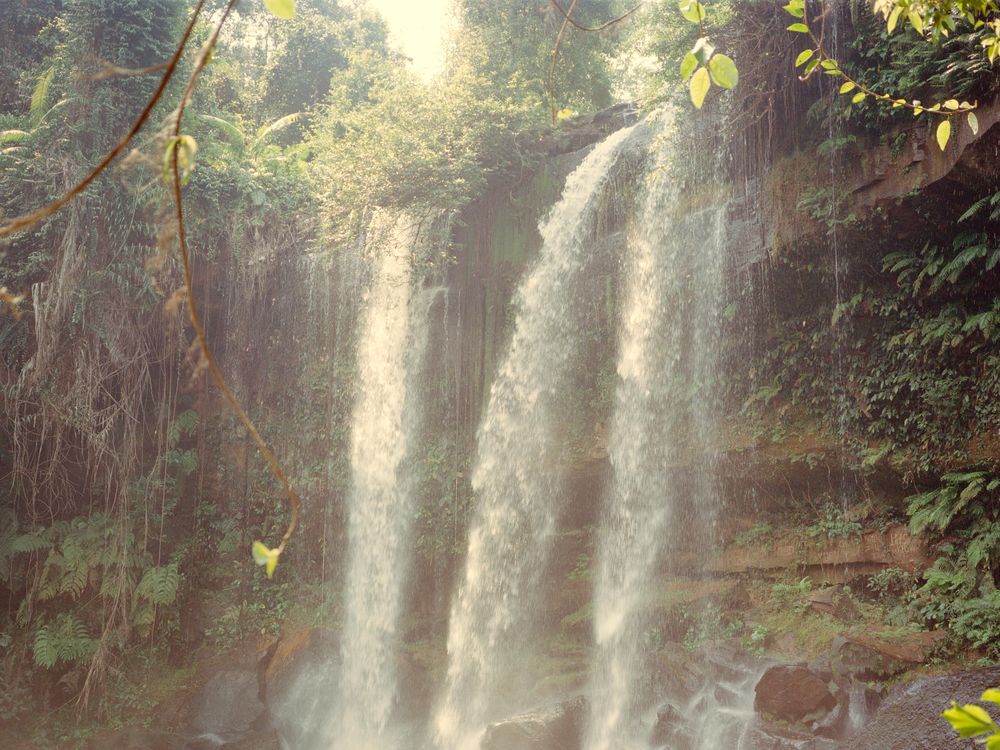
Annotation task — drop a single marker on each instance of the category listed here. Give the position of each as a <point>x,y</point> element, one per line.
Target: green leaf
<point>688,64</point>
<point>703,50</point>
<point>804,55</point>
<point>810,67</point>
<point>723,71</point>
<point>700,84</point>
<point>797,11</point>
<point>943,133</point>
<point>283,9</point>
<point>848,86</point>
<point>858,97</point>
<point>969,720</point>
<point>799,27</point>
<point>973,123</point>
<point>692,10</point>
<point>916,20</point>
<point>893,19</point>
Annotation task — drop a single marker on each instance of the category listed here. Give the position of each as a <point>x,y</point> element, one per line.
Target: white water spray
<point>391,341</point>
<point>514,477</point>
<point>664,415</point>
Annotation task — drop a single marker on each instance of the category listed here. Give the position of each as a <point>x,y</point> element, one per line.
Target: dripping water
<point>513,478</point>
<point>661,439</point>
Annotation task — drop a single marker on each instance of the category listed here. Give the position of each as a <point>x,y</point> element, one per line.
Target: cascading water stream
<point>513,478</point>
<point>664,415</point>
<point>391,343</point>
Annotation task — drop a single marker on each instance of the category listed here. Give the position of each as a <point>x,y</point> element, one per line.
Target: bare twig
<point>567,14</point>
<point>579,27</point>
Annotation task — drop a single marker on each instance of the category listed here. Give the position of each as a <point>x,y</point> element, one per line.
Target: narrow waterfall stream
<point>665,410</point>
<point>514,477</point>
<point>391,344</point>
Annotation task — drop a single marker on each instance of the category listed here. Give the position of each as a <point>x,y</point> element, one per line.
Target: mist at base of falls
<point>618,221</point>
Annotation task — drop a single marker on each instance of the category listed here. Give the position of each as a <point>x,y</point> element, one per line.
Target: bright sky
<point>418,28</point>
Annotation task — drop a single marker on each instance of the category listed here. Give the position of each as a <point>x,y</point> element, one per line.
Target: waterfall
<point>390,346</point>
<point>664,415</point>
<point>514,478</point>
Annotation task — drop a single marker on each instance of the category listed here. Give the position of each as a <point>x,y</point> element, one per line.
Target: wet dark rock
<point>556,727</point>
<point>873,658</point>
<point>134,738</point>
<point>671,730</point>
<point>835,601</point>
<point>765,737</point>
<point>255,741</point>
<point>228,707</point>
<point>910,718</point>
<point>793,693</point>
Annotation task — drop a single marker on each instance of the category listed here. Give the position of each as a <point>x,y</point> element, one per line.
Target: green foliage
<point>834,524</point>
<point>64,640</point>
<point>792,596</point>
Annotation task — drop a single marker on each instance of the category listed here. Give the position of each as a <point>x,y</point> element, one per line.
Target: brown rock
<point>910,718</point>
<point>868,657</point>
<point>135,738</point>
<point>556,727</point>
<point>827,561</point>
<point>793,693</point>
<point>833,600</point>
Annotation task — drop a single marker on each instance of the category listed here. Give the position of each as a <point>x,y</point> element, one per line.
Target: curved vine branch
<point>25,221</point>
<point>175,144</point>
<point>602,27</point>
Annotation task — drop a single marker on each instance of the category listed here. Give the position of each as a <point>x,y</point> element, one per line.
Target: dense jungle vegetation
<point>130,494</point>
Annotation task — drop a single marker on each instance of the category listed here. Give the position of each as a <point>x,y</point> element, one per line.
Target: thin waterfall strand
<point>664,407</point>
<point>380,505</point>
<point>514,478</point>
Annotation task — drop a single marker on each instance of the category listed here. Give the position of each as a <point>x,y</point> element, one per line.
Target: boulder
<point>670,729</point>
<point>763,737</point>
<point>870,658</point>
<point>228,707</point>
<point>910,718</point>
<point>136,738</point>
<point>255,741</point>
<point>556,727</point>
<point>793,693</point>
<point>835,601</point>
<point>299,679</point>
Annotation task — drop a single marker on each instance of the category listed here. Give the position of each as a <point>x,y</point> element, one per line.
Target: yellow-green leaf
<point>723,71</point>
<point>943,133</point>
<point>700,84</point>
<point>260,553</point>
<point>992,696</point>
<point>688,64</point>
<point>284,9</point>
<point>692,10</point>
<point>969,720</point>
<point>848,86</point>
<point>973,123</point>
<point>799,27</point>
<point>893,19</point>
<point>951,104</point>
<point>804,55</point>
<point>266,557</point>
<point>916,20</point>
<point>858,97</point>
